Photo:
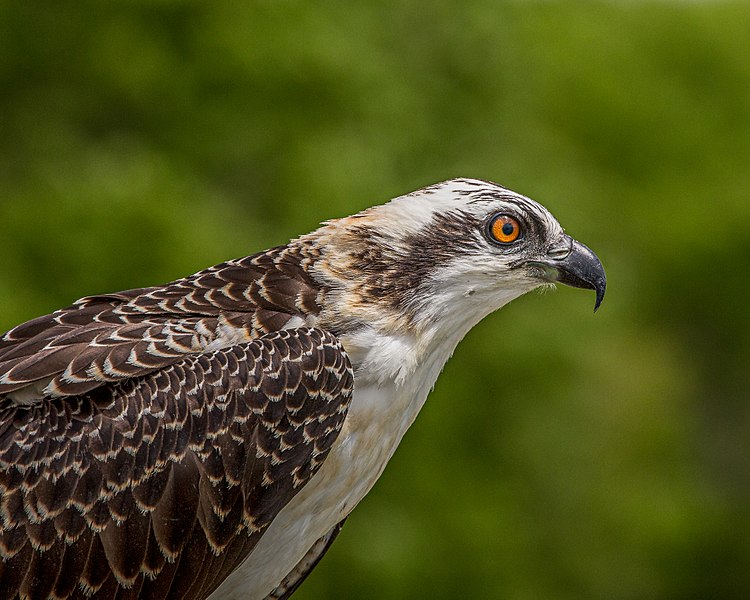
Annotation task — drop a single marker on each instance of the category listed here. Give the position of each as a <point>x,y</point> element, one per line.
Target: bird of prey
<point>208,437</point>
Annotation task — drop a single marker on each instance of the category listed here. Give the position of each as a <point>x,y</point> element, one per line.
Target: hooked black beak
<point>578,267</point>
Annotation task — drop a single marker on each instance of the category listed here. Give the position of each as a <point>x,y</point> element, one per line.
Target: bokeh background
<point>562,455</point>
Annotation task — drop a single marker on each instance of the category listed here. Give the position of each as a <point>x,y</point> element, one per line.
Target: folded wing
<point>159,485</point>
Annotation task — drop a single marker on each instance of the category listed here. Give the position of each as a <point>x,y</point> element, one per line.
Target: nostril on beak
<point>562,250</point>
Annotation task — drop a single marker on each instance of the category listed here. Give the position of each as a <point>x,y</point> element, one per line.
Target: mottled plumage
<point>113,337</point>
<point>106,490</point>
<point>218,430</point>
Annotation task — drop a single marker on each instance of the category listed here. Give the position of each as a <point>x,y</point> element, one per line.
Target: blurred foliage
<point>561,456</point>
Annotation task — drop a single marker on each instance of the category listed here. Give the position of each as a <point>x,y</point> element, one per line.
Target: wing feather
<point>159,486</point>
<point>112,337</point>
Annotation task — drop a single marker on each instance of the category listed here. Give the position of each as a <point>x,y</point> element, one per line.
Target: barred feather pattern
<point>113,337</point>
<point>158,486</point>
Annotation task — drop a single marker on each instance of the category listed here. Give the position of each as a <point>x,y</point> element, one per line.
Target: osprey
<point>208,437</point>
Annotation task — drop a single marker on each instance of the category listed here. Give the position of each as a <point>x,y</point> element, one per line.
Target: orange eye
<point>505,229</point>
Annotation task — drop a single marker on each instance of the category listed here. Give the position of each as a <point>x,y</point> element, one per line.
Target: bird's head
<point>452,252</point>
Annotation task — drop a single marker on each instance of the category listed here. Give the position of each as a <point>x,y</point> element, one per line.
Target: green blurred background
<point>561,456</point>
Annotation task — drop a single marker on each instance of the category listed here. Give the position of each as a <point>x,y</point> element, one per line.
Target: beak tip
<point>600,288</point>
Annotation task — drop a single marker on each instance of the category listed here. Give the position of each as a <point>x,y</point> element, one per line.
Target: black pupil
<point>508,229</point>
